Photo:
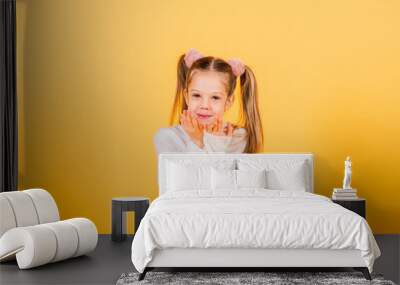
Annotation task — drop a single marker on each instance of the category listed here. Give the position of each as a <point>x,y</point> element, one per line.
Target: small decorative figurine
<point>347,174</point>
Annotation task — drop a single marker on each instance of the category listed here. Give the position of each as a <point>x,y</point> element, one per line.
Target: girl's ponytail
<point>250,113</point>
<point>179,101</point>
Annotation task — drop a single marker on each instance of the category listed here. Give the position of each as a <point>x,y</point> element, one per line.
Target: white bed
<point>251,226</point>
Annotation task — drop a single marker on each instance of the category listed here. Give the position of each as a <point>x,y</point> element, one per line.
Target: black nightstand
<point>119,208</point>
<point>357,206</point>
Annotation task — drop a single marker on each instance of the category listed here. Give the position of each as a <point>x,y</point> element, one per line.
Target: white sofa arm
<point>33,245</point>
<point>26,208</point>
<point>40,244</point>
<point>87,235</point>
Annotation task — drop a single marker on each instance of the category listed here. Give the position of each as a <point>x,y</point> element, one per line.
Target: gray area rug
<point>225,278</point>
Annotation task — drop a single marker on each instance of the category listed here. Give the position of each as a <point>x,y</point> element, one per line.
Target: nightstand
<point>119,208</point>
<point>357,205</point>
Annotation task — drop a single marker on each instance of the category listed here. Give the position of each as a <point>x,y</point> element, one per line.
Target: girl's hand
<point>228,130</point>
<point>192,127</point>
<point>216,128</point>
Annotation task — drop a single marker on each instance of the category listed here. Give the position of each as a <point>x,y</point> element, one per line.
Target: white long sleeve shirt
<point>175,139</point>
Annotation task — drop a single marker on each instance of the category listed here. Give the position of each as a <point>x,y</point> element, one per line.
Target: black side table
<point>357,205</point>
<point>119,208</point>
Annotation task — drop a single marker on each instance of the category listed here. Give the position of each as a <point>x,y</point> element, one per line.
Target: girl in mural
<point>205,90</point>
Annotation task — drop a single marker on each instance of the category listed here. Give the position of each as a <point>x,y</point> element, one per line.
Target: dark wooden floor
<point>111,259</point>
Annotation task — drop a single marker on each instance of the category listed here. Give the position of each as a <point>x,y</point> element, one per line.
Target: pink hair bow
<point>237,65</point>
<point>191,56</point>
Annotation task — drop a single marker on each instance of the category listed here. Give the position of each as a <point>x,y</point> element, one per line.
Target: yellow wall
<point>97,79</point>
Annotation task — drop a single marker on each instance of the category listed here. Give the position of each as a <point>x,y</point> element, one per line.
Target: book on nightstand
<point>344,194</point>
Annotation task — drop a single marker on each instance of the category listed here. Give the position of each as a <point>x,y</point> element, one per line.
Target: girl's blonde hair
<point>249,112</point>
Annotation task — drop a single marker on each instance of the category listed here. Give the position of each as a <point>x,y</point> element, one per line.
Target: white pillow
<point>182,177</point>
<point>223,178</point>
<point>282,174</point>
<point>251,178</point>
<point>237,179</point>
<point>287,179</point>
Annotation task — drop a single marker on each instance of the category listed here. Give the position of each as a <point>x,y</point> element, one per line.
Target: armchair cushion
<point>30,230</point>
<point>45,243</point>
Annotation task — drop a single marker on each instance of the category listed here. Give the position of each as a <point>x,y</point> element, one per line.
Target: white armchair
<point>31,231</point>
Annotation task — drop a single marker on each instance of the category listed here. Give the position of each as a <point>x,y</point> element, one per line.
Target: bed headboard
<point>164,158</point>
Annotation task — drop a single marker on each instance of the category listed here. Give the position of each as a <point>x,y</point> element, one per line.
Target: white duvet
<point>250,218</point>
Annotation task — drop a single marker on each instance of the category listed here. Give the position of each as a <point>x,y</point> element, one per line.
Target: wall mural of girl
<point>204,92</point>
